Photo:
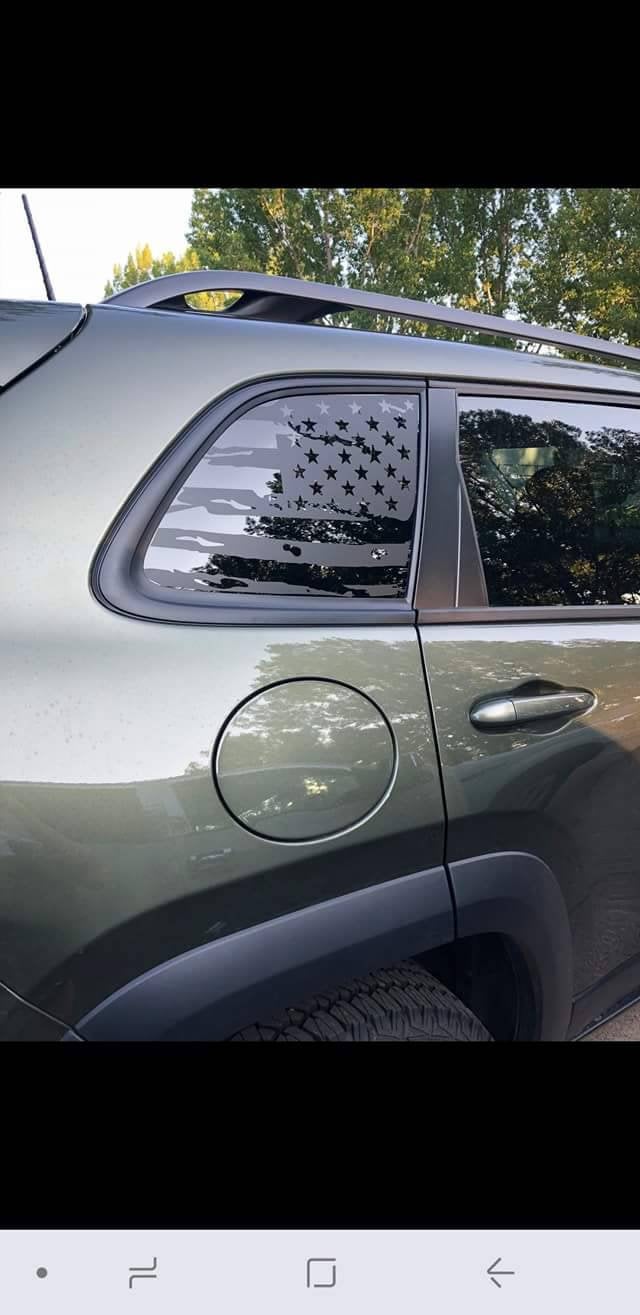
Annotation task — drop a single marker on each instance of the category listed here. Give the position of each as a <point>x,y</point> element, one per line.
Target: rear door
<point>534,661</point>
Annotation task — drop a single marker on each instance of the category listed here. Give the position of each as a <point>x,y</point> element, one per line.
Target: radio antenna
<point>43,267</point>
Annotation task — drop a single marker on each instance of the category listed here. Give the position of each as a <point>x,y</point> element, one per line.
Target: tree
<point>140,266</point>
<point>301,232</point>
<point>501,230</point>
<point>564,257</point>
<point>584,269</point>
<point>460,246</point>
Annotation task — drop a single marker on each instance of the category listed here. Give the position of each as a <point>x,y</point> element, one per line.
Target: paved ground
<point>626,1027</point>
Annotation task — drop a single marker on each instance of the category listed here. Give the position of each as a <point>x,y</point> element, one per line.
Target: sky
<point>83,233</point>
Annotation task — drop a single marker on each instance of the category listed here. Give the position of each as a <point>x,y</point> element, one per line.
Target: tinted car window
<point>310,494</point>
<point>554,489</point>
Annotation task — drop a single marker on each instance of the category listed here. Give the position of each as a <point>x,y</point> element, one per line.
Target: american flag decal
<point>308,494</point>
<point>347,458</point>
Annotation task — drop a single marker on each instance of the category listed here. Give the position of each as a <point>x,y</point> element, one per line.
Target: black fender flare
<point>211,992</point>
<point>214,990</point>
<point>518,896</point>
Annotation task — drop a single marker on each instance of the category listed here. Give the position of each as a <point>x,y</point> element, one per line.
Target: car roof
<point>311,348</point>
<point>298,302</point>
<point>29,331</point>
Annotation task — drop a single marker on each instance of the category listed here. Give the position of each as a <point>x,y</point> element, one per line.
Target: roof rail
<point>297,301</point>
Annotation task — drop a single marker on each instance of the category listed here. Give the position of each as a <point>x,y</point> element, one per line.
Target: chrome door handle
<point>519,709</point>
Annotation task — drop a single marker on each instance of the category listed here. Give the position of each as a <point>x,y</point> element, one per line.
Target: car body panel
<point>118,852</point>
<point>117,812</point>
<point>214,990</point>
<point>21,1021</point>
<point>30,331</point>
<point>568,793</point>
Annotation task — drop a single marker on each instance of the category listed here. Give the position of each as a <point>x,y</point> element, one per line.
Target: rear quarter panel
<point>115,851</point>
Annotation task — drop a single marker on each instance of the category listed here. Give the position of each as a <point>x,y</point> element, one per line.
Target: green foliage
<point>566,257</point>
<point>456,245</point>
<point>140,266</point>
<point>584,272</point>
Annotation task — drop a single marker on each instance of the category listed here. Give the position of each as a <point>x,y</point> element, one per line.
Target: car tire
<point>403,1003</point>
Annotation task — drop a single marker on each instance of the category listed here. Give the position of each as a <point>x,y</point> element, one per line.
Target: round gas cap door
<point>304,760</point>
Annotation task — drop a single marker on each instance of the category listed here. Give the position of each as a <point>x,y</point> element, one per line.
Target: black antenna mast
<point>43,268</point>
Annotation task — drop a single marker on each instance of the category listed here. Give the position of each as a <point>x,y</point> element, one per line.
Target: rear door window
<point>554,488</point>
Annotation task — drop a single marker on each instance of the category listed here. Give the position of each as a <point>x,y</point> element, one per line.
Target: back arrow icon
<point>496,1274</point>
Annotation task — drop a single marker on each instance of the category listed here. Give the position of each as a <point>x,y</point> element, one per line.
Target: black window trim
<point>476,610</point>
<point>116,575</point>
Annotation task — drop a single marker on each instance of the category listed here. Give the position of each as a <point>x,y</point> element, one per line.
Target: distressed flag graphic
<point>311,494</point>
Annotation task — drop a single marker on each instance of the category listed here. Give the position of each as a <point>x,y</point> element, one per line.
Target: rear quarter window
<point>308,495</point>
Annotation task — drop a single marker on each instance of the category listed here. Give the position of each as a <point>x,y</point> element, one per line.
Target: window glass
<point>554,489</point>
<point>313,494</point>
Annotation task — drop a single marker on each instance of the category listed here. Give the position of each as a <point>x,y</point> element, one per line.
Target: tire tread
<point>402,1003</point>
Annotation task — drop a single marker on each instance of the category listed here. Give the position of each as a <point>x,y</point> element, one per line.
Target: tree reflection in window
<point>555,492</point>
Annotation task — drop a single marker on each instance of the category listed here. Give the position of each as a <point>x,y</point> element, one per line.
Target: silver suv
<point>320,655</point>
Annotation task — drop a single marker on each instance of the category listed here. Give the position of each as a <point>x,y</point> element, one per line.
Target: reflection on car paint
<point>305,759</point>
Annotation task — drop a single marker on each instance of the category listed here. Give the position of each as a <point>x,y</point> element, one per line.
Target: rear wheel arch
<point>518,896</point>
<point>217,989</point>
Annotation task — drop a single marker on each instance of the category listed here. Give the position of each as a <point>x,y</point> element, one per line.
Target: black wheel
<point>403,1003</point>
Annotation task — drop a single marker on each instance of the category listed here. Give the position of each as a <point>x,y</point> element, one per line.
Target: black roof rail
<point>298,301</point>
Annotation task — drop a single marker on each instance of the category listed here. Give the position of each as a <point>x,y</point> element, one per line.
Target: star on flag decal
<point>349,457</point>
